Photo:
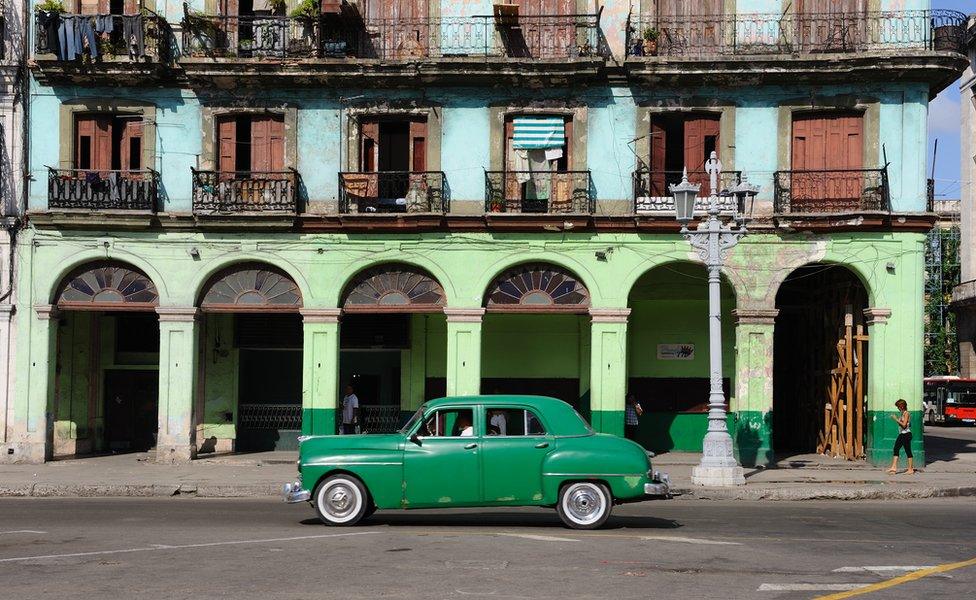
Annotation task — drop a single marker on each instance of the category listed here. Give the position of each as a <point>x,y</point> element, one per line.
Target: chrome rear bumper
<point>293,492</point>
<point>660,486</point>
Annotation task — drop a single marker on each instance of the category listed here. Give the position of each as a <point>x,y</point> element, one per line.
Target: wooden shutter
<point>545,38</point>
<point>227,144</point>
<point>132,130</point>
<point>657,164</point>
<point>267,143</point>
<point>229,8</point>
<point>93,7</point>
<point>369,134</point>
<point>98,130</point>
<point>418,145</point>
<point>696,130</point>
<point>828,145</point>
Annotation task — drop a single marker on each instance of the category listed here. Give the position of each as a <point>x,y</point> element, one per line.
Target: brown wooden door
<point>267,143</point>
<point>701,133</point>
<point>546,30</point>
<point>657,164</point>
<point>131,144</point>
<point>93,143</point>
<point>401,27</point>
<point>227,146</point>
<point>831,25</point>
<point>689,26</point>
<point>418,146</point>
<point>828,153</point>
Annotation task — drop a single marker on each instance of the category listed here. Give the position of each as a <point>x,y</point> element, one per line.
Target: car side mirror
<point>416,439</point>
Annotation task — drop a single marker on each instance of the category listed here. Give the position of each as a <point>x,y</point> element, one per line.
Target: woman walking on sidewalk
<point>904,439</point>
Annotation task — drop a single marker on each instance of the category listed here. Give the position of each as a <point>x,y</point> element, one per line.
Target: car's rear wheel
<point>584,505</point>
<point>341,500</point>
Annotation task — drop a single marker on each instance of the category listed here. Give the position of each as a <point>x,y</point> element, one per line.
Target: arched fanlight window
<point>107,286</point>
<point>538,288</point>
<point>394,288</point>
<point>251,287</point>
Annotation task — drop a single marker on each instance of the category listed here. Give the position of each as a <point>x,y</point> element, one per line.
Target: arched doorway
<point>391,343</point>
<point>820,363</point>
<point>250,364</point>
<point>667,354</point>
<point>535,337</point>
<point>106,385</point>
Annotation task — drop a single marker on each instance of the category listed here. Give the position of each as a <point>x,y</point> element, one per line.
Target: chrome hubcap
<point>339,501</point>
<point>584,504</point>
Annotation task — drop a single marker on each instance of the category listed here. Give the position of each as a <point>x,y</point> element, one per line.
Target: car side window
<point>509,422</point>
<point>448,422</point>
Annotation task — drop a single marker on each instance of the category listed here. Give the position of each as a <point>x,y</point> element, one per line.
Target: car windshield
<point>413,420</point>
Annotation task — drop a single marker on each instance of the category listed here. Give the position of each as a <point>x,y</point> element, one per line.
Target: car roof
<point>561,418</point>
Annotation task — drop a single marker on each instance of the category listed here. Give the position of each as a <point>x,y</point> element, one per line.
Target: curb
<point>784,494</point>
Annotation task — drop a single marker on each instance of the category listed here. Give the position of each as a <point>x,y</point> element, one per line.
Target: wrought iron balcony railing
<point>540,192</point>
<point>771,34</point>
<point>102,190</point>
<point>530,37</point>
<point>652,192</point>
<point>393,192</point>
<point>139,38</point>
<point>245,191</point>
<point>831,191</point>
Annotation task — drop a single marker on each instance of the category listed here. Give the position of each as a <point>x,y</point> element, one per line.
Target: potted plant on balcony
<point>278,7</point>
<point>307,13</point>
<point>649,37</point>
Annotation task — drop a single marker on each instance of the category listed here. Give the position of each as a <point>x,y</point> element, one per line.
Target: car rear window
<point>507,421</point>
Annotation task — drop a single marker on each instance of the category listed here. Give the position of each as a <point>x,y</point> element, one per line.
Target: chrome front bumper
<point>293,492</point>
<point>660,485</point>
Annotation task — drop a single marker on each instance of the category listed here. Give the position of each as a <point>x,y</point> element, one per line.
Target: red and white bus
<point>950,400</point>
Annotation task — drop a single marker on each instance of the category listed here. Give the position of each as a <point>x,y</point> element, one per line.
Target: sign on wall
<point>676,352</point>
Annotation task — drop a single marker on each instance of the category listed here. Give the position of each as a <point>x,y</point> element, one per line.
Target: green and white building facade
<point>258,209</point>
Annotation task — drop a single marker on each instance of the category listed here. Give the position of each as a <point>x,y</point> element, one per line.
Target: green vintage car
<point>477,451</point>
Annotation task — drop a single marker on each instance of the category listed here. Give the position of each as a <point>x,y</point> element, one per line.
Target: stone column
<point>464,351</point>
<point>320,370</point>
<point>885,375</point>
<point>608,368</point>
<point>30,422</point>
<point>6,361</point>
<point>752,423</point>
<point>414,366</point>
<point>178,332</point>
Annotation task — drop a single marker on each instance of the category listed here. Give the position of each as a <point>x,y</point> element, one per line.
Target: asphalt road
<point>200,548</point>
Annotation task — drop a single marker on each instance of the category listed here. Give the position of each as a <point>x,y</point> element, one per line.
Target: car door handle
<point>542,445</point>
<point>470,446</point>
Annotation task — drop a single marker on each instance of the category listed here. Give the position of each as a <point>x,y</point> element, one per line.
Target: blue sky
<point>944,125</point>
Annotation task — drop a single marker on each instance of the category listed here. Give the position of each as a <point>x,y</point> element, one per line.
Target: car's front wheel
<point>584,505</point>
<point>341,500</point>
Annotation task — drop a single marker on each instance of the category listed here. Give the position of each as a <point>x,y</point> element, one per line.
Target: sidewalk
<point>951,472</point>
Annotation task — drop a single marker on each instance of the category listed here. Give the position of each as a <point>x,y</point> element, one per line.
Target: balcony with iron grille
<point>74,190</point>
<point>385,192</point>
<point>265,195</point>
<point>509,194</point>
<point>838,191</point>
<point>652,195</point>
<point>128,49</point>
<point>796,47</point>
<point>348,46</point>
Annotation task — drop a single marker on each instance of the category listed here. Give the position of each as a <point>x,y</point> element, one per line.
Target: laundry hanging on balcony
<point>538,133</point>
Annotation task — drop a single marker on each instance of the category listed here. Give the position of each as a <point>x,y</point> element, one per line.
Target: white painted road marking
<point>810,587</point>
<point>688,540</point>
<point>22,531</point>
<point>158,547</point>
<point>540,538</point>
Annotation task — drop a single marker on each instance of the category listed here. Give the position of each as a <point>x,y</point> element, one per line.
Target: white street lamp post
<point>712,239</point>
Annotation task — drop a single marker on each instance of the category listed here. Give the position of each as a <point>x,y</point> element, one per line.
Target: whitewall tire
<point>341,500</point>
<point>584,505</point>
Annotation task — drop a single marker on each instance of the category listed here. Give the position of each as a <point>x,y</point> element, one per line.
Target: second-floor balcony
<point>111,190</point>
<point>393,192</point>
<point>328,41</point>
<point>758,34</point>
<point>245,192</point>
<point>652,190</point>
<point>545,192</point>
<point>830,191</point>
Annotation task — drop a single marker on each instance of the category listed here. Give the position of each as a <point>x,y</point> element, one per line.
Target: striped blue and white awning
<point>539,133</point>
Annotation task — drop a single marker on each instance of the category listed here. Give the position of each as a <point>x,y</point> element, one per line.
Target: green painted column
<point>888,380</point>
<point>752,411</point>
<point>32,424</point>
<point>320,370</point>
<point>6,408</point>
<point>464,350</point>
<point>415,363</point>
<point>608,368</point>
<point>178,332</point>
